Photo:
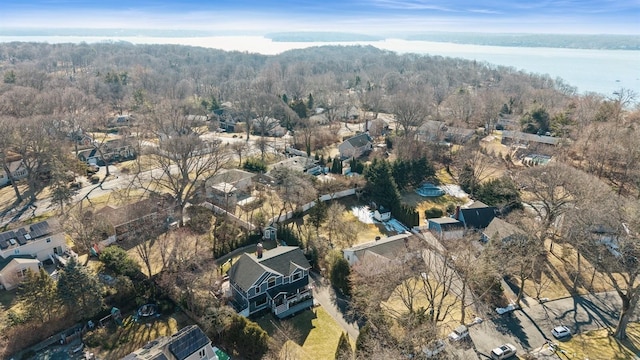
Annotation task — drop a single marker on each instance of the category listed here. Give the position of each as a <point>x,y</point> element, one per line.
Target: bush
<point>247,338</point>
<point>118,261</point>
<point>433,212</point>
<point>254,165</point>
<point>340,275</point>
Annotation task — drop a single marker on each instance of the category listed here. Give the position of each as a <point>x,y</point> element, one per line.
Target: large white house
<point>26,247</point>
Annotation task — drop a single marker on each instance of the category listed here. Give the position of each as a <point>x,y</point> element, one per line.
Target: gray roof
<point>388,247</point>
<point>501,229</point>
<point>359,141</point>
<point>282,260</point>
<point>230,176</point>
<point>516,135</point>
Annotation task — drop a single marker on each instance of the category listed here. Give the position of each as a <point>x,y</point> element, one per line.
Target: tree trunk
<point>463,297</point>
<point>628,306</point>
<point>13,183</point>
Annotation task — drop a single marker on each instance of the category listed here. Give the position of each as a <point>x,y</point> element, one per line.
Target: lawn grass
<point>316,334</point>
<point>394,306</point>
<point>560,272</point>
<point>599,345</point>
<point>117,342</point>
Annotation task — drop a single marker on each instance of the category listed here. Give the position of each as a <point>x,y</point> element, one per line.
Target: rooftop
<point>24,235</point>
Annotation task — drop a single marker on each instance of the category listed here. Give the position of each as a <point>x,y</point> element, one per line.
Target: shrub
<point>433,212</point>
<point>117,260</point>
<point>254,165</point>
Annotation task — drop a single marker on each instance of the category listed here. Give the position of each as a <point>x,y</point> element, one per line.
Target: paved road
<point>323,293</point>
<point>530,327</point>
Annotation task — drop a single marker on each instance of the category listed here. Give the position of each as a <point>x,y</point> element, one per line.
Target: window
<point>202,353</point>
<point>21,273</point>
<point>296,276</point>
<point>48,240</point>
<point>272,282</point>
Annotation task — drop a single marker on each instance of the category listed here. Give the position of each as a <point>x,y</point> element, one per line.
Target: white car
<point>504,351</point>
<point>434,349</point>
<point>505,310</point>
<point>459,333</point>
<point>560,332</point>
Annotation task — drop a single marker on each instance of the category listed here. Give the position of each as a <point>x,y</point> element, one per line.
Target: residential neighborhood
<point>361,222</point>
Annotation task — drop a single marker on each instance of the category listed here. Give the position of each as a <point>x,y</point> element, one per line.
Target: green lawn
<point>317,334</point>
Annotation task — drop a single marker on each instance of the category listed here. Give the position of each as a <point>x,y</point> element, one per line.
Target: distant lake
<point>601,71</point>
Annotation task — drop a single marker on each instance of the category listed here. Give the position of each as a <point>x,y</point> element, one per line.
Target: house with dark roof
<point>477,216</point>
<point>108,152</point>
<point>446,228</point>
<point>276,280</point>
<point>190,343</point>
<point>356,146</point>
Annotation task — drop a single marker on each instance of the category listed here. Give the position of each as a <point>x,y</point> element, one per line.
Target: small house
<point>356,146</point>
<point>224,195</point>
<point>446,228</point>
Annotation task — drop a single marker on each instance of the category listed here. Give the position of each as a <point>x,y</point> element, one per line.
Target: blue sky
<point>363,16</point>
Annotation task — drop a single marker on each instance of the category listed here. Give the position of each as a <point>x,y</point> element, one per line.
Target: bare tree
<point>410,112</point>
<point>183,159</point>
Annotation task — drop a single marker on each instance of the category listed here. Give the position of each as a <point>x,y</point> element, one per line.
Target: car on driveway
<point>561,332</point>
<point>434,349</point>
<point>458,334</point>
<point>504,351</point>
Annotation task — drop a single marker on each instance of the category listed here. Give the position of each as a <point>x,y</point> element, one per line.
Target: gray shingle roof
<point>283,260</point>
<point>501,229</point>
<point>359,141</point>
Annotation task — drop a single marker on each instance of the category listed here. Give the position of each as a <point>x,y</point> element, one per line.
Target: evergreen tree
<point>421,169</point>
<point>79,291</point>
<point>381,185</point>
<point>401,171</point>
<point>310,102</point>
<point>318,214</point>
<point>247,337</point>
<point>39,296</point>
<point>340,275</point>
<point>344,351</point>
<point>285,99</point>
<point>117,260</point>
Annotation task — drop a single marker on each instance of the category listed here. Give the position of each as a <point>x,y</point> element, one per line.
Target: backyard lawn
<point>316,334</point>
<point>599,345</point>
<point>117,342</point>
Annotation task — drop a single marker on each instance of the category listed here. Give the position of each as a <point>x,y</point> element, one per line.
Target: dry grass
<point>452,319</point>
<point>561,273</point>
<point>599,345</point>
<point>116,343</point>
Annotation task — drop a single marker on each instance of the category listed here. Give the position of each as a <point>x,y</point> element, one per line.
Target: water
<point>600,71</point>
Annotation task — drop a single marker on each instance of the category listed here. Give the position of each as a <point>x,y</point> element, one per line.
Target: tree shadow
<point>510,324</point>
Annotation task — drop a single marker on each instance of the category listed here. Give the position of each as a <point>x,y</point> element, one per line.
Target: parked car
<point>504,351</point>
<point>561,332</point>
<point>434,349</point>
<point>505,310</point>
<point>459,333</point>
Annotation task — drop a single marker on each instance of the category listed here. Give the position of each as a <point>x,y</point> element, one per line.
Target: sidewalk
<point>325,296</point>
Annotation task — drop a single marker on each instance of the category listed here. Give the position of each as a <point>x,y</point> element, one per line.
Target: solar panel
<point>4,244</point>
<point>187,342</point>
<point>7,235</point>
<point>21,240</point>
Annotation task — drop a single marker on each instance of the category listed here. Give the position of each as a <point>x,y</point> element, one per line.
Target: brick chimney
<point>259,250</point>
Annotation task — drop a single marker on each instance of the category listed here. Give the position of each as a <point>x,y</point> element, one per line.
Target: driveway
<point>530,327</point>
<point>334,305</point>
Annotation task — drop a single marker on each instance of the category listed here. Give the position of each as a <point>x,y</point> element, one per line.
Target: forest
<point>166,99</point>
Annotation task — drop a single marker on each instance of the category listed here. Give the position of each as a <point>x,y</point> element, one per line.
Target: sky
<point>376,17</point>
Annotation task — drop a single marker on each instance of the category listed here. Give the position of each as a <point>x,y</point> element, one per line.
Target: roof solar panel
<point>22,240</point>
<point>7,235</point>
<point>4,244</point>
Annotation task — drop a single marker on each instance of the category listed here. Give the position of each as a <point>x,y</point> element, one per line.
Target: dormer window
<point>296,276</point>
<point>272,282</point>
